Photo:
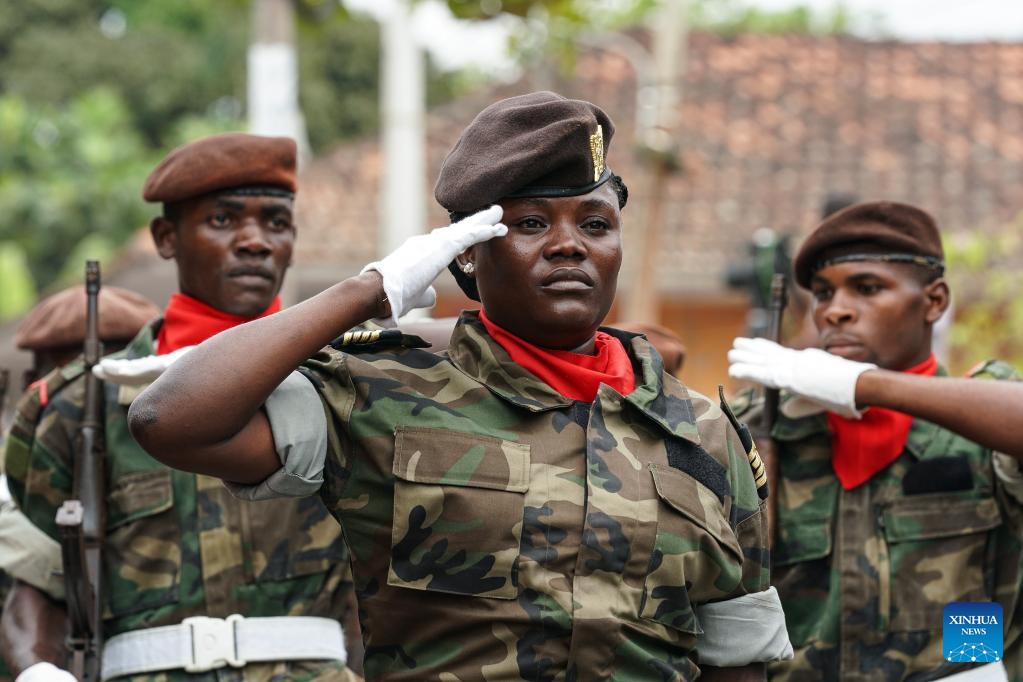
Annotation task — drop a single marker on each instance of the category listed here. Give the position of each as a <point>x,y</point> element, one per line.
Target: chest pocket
<point>938,547</point>
<point>696,556</point>
<point>142,551</point>
<point>458,507</point>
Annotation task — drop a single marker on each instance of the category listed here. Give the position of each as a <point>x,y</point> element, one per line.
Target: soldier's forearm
<point>993,420</point>
<point>32,629</point>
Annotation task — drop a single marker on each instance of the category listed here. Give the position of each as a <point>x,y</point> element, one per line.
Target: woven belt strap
<point>199,644</point>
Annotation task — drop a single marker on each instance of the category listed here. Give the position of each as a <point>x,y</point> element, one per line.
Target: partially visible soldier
<point>886,516</point>
<point>54,330</point>
<point>54,333</point>
<point>179,547</point>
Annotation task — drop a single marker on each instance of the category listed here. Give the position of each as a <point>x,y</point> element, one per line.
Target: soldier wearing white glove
<point>817,375</point>
<point>136,371</point>
<point>409,271</point>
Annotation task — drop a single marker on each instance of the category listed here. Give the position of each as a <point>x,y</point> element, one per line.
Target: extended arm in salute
<point>844,386</point>
<point>203,414</point>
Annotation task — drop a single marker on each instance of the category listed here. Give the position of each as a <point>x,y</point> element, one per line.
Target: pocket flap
<point>139,495</point>
<point>696,502</point>
<point>923,517</point>
<point>442,457</point>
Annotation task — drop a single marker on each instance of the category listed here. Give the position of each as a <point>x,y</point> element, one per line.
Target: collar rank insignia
<point>597,153</point>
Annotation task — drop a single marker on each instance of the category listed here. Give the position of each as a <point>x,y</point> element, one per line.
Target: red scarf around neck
<point>573,375</point>
<point>188,321</point>
<point>862,447</point>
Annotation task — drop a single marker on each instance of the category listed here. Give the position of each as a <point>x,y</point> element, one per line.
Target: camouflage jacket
<point>864,574</point>
<point>500,531</point>
<point>177,544</point>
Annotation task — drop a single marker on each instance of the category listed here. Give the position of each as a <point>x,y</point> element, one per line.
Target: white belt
<point>992,672</point>
<point>199,644</point>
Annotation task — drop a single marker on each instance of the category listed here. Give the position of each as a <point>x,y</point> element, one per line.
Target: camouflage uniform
<point>177,544</point>
<point>864,574</point>
<point>522,535</point>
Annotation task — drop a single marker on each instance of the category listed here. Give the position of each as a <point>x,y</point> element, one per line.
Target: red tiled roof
<point>768,127</point>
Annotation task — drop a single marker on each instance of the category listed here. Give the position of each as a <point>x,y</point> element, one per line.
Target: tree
<point>94,92</point>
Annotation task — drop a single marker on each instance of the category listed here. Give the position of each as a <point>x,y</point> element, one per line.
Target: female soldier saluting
<point>540,502</point>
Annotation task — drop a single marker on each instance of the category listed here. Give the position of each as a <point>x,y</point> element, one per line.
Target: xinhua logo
<point>972,632</point>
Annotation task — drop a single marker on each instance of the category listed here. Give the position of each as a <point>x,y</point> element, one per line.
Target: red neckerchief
<point>573,375</point>
<point>862,447</point>
<point>188,321</point>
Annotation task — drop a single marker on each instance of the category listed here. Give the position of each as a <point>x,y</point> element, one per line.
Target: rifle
<point>82,519</point>
<point>776,309</point>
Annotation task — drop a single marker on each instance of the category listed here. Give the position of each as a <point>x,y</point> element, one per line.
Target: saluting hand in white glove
<point>133,372</point>
<point>408,272</point>
<point>812,373</point>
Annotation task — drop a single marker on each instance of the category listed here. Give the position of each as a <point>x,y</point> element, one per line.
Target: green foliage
<point>94,92</point>
<point>72,171</point>
<point>985,279</point>
<point>164,60</point>
<point>17,292</point>
<point>730,17</point>
<point>340,65</point>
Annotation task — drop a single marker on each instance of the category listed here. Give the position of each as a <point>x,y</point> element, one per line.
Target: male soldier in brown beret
<point>899,487</point>
<point>54,330</point>
<point>197,584</point>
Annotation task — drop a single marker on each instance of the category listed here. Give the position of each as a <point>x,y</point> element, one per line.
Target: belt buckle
<point>213,643</point>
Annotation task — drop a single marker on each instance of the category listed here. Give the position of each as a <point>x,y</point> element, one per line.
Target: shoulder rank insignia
<point>365,341</point>
<point>756,464</point>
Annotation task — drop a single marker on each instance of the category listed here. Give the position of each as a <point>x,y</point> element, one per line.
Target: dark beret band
<point>923,261</point>
<point>884,231</point>
<point>555,192</point>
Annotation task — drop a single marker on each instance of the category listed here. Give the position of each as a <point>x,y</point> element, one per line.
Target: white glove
<point>125,372</point>
<point>44,672</point>
<point>409,270</point>
<point>812,373</point>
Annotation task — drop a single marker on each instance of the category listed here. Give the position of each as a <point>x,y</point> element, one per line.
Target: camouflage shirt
<point>177,544</point>
<point>864,574</point>
<point>500,531</point>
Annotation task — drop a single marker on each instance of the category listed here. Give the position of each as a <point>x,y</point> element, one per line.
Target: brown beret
<point>223,162</point>
<point>59,320</point>
<point>535,145</point>
<point>875,230</point>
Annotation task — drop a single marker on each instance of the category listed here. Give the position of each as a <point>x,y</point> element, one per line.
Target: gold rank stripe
<point>757,464</point>
<point>360,337</point>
